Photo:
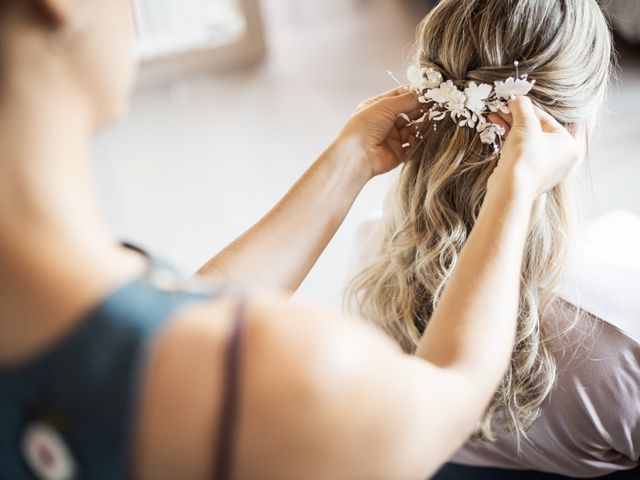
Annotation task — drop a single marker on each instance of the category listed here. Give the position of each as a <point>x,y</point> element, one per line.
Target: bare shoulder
<point>180,393</point>
<point>284,354</point>
<point>313,385</point>
<point>318,396</point>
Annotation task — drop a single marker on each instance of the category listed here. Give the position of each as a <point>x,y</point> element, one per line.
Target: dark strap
<point>230,398</point>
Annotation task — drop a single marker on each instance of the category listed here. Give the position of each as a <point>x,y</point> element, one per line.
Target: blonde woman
<point>112,365</point>
<point>569,401</point>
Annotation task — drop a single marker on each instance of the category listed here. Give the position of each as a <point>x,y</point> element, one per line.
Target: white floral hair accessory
<point>468,107</point>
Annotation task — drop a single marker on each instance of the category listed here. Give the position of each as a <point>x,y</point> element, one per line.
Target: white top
<point>590,424</point>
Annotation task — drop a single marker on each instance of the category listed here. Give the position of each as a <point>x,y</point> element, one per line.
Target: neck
<point>46,194</point>
<point>56,257</point>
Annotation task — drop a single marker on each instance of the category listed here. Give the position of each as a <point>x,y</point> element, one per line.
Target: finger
<point>414,134</point>
<point>394,92</point>
<point>405,118</point>
<point>507,117</point>
<point>407,135</point>
<point>407,102</point>
<point>398,149</point>
<point>548,123</point>
<point>395,133</point>
<point>412,116</point>
<point>524,115</point>
<point>404,149</point>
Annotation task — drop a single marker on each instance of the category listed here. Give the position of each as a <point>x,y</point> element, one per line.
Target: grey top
<point>590,424</point>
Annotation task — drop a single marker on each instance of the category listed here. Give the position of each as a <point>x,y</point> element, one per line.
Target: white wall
<point>196,163</point>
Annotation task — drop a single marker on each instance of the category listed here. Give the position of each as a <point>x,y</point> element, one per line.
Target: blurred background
<point>237,97</point>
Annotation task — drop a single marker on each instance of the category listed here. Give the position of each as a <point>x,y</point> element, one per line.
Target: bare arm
<point>402,417</point>
<point>280,250</point>
<point>472,330</point>
<point>327,398</point>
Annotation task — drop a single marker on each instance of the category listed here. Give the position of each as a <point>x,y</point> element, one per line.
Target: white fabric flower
<point>477,96</point>
<point>498,105</point>
<point>415,75</point>
<point>512,87</point>
<point>444,94</point>
<point>422,78</point>
<point>434,78</point>
<point>468,107</point>
<point>489,133</point>
<point>456,102</point>
<point>482,123</point>
<point>488,136</point>
<point>472,119</point>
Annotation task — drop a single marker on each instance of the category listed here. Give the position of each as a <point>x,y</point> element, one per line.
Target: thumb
<point>524,114</point>
<point>406,102</point>
<point>548,123</point>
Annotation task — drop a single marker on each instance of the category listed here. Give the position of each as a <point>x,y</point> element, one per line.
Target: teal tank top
<point>69,413</point>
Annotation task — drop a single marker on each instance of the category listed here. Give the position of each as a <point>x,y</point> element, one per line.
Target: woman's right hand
<point>539,151</point>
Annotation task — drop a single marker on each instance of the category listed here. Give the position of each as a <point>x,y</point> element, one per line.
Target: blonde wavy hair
<point>566,46</point>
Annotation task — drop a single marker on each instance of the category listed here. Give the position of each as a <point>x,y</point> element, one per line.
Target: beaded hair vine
<point>469,107</point>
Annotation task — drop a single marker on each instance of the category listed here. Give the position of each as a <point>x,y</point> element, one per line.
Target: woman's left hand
<point>378,137</point>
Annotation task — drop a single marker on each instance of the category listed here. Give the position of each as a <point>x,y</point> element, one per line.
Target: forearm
<point>473,327</point>
<point>280,250</point>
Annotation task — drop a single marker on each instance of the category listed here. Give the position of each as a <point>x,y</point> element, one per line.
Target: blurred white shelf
<point>178,37</point>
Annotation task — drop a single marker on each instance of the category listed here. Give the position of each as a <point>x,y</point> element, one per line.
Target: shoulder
<point>303,370</point>
<point>327,391</point>
<point>179,395</point>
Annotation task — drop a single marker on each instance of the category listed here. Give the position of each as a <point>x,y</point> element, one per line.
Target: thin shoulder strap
<point>230,397</point>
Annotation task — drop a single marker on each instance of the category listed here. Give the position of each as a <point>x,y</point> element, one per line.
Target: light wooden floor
<point>196,163</point>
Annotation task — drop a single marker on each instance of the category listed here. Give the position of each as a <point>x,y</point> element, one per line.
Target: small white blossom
<point>512,87</point>
<point>482,123</point>
<point>488,136</point>
<point>498,105</point>
<point>472,119</point>
<point>456,103</point>
<point>434,78</point>
<point>477,96</point>
<point>439,95</point>
<point>490,133</point>
<point>422,78</point>
<point>416,78</point>
<point>447,94</point>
